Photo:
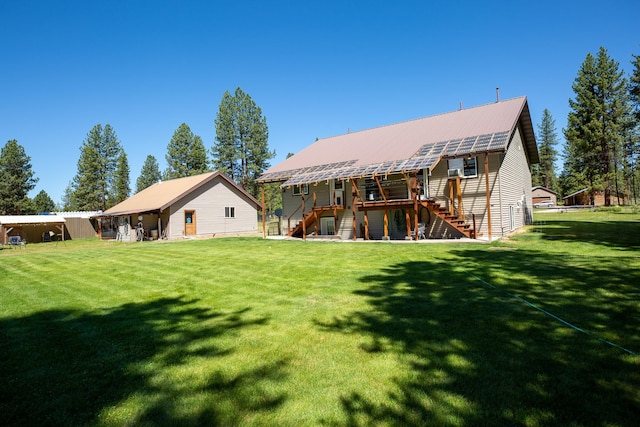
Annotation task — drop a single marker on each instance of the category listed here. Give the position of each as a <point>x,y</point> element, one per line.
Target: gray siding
<point>209,204</point>
<point>514,188</point>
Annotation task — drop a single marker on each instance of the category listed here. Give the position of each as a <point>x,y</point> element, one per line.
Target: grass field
<point>539,329</point>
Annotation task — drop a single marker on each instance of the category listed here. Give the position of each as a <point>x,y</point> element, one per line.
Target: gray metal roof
<point>409,146</point>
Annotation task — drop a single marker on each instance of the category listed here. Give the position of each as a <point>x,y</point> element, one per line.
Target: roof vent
<point>497,94</point>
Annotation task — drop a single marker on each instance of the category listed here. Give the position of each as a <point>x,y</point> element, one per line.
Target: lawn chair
<point>15,241</point>
<point>421,230</point>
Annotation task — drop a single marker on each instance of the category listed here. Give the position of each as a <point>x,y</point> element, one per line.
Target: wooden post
<point>354,207</point>
<point>315,213</point>
<point>486,181</point>
<point>451,210</point>
<point>366,226</point>
<point>304,222</point>
<point>415,188</point>
<point>264,224</point>
<point>386,224</point>
<point>380,189</point>
<point>407,220</point>
<point>459,194</point>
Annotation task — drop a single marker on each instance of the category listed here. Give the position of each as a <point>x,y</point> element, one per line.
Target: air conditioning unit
<point>454,173</point>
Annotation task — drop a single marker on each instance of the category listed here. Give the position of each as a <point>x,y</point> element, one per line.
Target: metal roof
<point>409,146</point>
<point>31,219</point>
<point>161,195</point>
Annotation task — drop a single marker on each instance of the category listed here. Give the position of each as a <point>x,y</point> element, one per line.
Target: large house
<point>201,205</point>
<point>460,174</point>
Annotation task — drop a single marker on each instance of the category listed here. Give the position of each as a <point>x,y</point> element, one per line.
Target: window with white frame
<point>298,189</point>
<point>468,166</point>
<point>229,212</point>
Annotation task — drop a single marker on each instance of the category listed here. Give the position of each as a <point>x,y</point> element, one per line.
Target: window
<point>297,189</point>
<point>229,212</point>
<point>468,166</point>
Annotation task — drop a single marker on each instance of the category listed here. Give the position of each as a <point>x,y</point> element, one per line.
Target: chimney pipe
<point>497,94</point>
<point>460,105</point>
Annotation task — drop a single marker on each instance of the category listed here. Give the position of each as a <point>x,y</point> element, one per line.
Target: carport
<point>32,228</point>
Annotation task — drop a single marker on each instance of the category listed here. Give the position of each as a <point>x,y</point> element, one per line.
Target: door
<point>327,226</point>
<point>189,223</point>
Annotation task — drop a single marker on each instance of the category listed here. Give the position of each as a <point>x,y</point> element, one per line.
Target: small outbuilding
<point>542,194</point>
<point>32,228</point>
<point>202,205</point>
<point>585,197</point>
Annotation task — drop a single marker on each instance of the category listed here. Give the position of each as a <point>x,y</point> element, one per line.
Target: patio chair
<point>421,230</point>
<point>17,241</point>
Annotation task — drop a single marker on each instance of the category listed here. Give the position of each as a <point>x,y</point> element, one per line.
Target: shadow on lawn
<point>476,355</point>
<point>67,368</point>
<point>619,234</point>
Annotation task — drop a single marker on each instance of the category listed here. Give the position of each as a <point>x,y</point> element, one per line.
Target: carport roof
<point>31,219</point>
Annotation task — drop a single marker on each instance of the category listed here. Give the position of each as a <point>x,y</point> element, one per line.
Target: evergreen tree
<point>632,141</point>
<point>186,154</point>
<point>16,179</point>
<point>596,123</point>
<point>149,174</point>
<point>121,188</point>
<point>241,149</point>
<point>92,186</point>
<point>547,140</point>
<point>43,203</point>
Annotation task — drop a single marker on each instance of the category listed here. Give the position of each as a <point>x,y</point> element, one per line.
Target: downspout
<point>488,195</point>
<point>500,201</point>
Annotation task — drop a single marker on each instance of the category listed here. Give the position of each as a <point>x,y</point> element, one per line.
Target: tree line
<point>602,135</point>
<point>240,150</point>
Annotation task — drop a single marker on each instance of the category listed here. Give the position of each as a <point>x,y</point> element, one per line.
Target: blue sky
<point>316,69</point>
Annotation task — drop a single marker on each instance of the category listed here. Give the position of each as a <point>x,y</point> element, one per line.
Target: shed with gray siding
<point>202,205</point>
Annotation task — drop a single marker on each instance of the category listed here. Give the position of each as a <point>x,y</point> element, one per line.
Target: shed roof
<point>31,219</point>
<point>161,195</point>
<point>539,187</point>
<point>410,145</point>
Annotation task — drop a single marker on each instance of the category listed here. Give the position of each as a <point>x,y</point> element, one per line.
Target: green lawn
<point>263,332</point>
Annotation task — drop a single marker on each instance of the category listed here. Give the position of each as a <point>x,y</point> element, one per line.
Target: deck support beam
<point>304,223</point>
<point>488,195</point>
<point>354,206</point>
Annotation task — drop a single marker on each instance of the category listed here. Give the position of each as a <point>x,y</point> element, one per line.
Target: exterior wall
<point>474,195</point>
<point>209,202</point>
<point>514,189</point>
<point>541,194</point>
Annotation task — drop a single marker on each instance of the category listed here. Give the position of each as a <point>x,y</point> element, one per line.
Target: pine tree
<point>596,123</point>
<point>43,202</point>
<point>149,174</point>
<point>241,149</point>
<point>91,188</point>
<point>121,189</point>
<point>186,154</point>
<point>16,179</point>
<point>632,141</point>
<point>547,141</point>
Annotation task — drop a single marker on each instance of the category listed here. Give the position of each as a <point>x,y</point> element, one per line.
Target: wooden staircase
<point>459,223</point>
<point>309,219</point>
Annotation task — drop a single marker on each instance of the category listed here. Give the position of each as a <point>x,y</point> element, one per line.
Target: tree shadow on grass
<point>475,355</point>
<point>623,235</point>
<point>64,367</point>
